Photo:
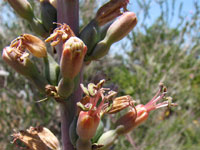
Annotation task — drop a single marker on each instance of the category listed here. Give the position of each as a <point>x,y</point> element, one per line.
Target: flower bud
<point>108,138</point>
<point>131,119</point>
<point>74,51</point>
<point>23,8</point>
<point>87,125</point>
<point>100,50</point>
<point>39,138</point>
<point>121,27</point>
<point>116,31</point>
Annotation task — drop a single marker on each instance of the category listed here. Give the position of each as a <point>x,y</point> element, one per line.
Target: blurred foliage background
<point>153,52</point>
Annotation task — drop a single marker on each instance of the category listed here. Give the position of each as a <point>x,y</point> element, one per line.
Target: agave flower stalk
<point>68,12</point>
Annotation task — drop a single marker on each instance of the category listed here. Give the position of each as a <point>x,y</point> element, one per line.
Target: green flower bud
<point>100,50</point>
<point>108,138</point>
<point>23,8</point>
<point>116,31</point>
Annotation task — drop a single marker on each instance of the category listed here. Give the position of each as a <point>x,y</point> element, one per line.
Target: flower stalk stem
<point>68,12</point>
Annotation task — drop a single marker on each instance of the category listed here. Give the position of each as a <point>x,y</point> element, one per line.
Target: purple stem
<point>68,12</point>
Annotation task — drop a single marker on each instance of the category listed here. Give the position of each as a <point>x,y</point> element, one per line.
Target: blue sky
<point>154,10</point>
<point>187,11</point>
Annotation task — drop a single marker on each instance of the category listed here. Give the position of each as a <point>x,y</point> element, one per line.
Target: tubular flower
<point>89,117</point>
<point>140,113</point>
<point>62,33</point>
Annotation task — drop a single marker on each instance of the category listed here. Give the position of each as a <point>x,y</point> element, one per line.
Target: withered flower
<point>37,138</point>
<point>28,42</point>
<point>110,11</point>
<point>120,103</point>
<point>62,33</point>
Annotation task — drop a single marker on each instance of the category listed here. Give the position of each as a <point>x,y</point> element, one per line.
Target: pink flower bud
<point>121,27</point>
<point>74,51</point>
<point>87,124</point>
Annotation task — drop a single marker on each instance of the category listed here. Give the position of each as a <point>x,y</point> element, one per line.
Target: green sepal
<point>90,35</point>
<point>52,70</point>
<point>48,15</point>
<point>100,50</point>
<point>99,132</point>
<point>72,131</point>
<point>65,88</point>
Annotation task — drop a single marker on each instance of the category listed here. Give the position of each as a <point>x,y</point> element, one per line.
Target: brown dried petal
<point>121,103</point>
<point>110,11</point>
<point>35,45</point>
<point>39,138</point>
